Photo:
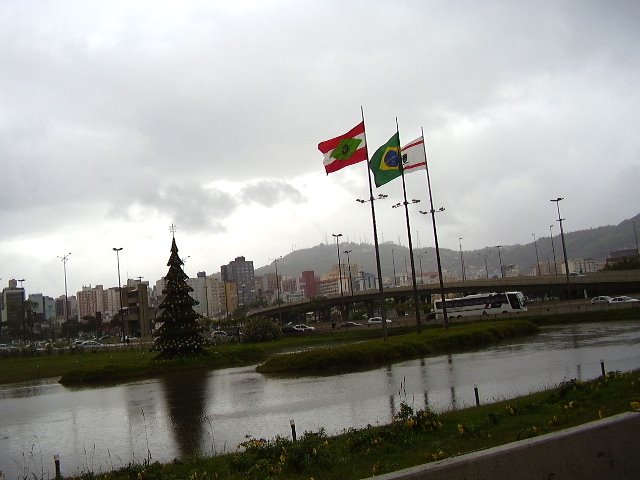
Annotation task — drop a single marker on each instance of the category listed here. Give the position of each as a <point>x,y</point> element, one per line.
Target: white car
<point>90,344</point>
<point>376,320</point>
<point>601,299</point>
<point>303,328</point>
<point>623,299</point>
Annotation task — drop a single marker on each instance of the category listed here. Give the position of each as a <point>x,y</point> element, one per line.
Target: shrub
<point>261,329</point>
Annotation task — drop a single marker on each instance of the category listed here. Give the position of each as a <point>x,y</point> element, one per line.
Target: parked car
<point>376,320</point>
<point>220,336</point>
<point>90,345</point>
<point>601,299</point>
<point>623,299</point>
<point>301,327</point>
<point>349,324</point>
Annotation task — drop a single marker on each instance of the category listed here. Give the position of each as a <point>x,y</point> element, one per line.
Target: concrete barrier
<point>600,450</point>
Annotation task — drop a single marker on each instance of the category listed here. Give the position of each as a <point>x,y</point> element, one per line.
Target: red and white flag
<point>344,150</point>
<point>413,156</point>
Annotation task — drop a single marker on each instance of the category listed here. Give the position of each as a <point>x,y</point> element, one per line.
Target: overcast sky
<point>118,118</point>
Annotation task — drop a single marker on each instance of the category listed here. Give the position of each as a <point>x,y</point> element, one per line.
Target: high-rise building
<point>44,307</point>
<point>241,272</point>
<point>72,308</point>
<point>12,310</point>
<point>310,283</point>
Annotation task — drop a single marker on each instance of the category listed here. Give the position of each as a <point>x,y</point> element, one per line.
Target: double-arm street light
<point>64,259</point>
<point>118,250</point>
<point>337,237</point>
<point>535,242</point>
<point>500,259</point>
<point>433,212</point>
<point>275,261</point>
<point>486,266</point>
<point>564,247</point>
<point>349,264</point>
<point>461,259</point>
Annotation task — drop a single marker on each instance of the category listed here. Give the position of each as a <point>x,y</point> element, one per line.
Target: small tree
<point>261,330</point>
<point>180,333</point>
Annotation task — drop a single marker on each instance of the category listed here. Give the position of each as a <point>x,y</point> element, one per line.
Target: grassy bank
<point>221,357</point>
<point>375,352</point>
<point>415,437</point>
<point>120,365</point>
<point>586,316</point>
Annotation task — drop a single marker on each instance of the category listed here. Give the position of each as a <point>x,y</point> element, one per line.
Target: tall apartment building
<point>90,301</point>
<point>310,284</point>
<point>44,307</point>
<point>12,309</point>
<point>71,311</point>
<point>241,272</point>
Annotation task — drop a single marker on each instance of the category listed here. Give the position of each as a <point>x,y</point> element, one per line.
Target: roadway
<point>542,286</point>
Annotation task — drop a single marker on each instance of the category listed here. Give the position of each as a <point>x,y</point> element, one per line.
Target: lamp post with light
<point>118,250</point>
<point>349,264</point>
<point>337,237</point>
<point>535,242</point>
<point>433,212</point>
<point>564,246</point>
<point>500,260</point>
<point>275,261</point>
<point>461,259</point>
<point>64,259</point>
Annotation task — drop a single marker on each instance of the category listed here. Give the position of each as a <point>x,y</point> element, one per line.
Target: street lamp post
<point>500,259</point>
<point>275,261</point>
<point>461,259</point>
<point>553,248</point>
<point>393,261</point>
<point>117,250</point>
<point>535,242</point>
<point>421,272</point>
<point>349,264</point>
<point>64,259</point>
<point>337,237</point>
<point>564,246</point>
<point>433,212</point>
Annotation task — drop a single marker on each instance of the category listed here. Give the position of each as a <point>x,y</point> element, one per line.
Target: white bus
<point>482,304</point>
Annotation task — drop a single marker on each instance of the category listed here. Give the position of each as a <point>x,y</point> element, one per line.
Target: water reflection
<point>185,400</point>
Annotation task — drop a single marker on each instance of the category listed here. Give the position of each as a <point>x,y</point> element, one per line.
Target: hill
<point>596,243</point>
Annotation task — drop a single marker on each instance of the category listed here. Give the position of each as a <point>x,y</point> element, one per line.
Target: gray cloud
<point>125,111</point>
<point>270,192</point>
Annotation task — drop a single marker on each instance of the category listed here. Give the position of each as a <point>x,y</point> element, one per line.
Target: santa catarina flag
<point>413,156</point>
<point>344,150</point>
<point>385,163</point>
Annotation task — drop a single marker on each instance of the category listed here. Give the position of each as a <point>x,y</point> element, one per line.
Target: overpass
<point>581,286</point>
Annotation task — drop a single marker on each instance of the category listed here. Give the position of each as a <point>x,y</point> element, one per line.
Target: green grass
<point>119,365</point>
<point>415,437</point>
<point>372,353</point>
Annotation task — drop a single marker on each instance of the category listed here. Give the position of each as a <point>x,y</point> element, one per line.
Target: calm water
<point>105,428</point>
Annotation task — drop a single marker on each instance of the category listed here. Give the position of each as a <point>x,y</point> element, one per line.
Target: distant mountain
<point>596,243</point>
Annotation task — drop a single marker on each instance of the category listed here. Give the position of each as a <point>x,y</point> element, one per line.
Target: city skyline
<point>121,118</point>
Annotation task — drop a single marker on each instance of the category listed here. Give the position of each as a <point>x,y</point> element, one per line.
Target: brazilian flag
<point>386,163</point>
